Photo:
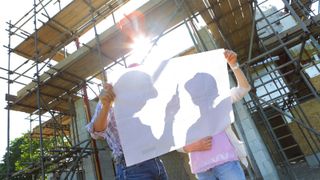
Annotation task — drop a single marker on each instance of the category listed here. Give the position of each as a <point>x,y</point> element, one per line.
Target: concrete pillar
<point>207,39</point>
<point>256,147</point>
<point>88,166</point>
<point>104,155</point>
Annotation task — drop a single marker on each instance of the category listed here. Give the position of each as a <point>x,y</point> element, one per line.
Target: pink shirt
<point>204,160</point>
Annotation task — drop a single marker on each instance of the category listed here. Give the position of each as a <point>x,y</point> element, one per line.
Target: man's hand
<point>203,144</point>
<point>107,95</point>
<point>230,56</point>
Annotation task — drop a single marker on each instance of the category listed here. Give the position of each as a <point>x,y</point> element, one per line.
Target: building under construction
<point>277,46</point>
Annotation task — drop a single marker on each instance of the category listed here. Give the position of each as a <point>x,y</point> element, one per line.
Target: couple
<point>224,144</point>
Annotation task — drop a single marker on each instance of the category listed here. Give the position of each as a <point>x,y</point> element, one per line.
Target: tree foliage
<point>25,153</point>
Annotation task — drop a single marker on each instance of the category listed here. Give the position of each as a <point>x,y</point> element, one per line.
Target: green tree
<point>15,155</point>
<point>25,154</point>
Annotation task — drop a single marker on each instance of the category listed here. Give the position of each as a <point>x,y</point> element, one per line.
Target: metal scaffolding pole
<point>281,89</point>
<point>41,104</point>
<point>38,89</point>
<point>296,63</point>
<point>8,105</point>
<point>274,137</point>
<point>301,23</point>
<point>29,12</point>
<point>96,35</point>
<point>84,89</point>
<point>252,160</point>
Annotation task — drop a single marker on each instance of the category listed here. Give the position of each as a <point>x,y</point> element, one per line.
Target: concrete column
<point>88,166</point>
<point>104,155</point>
<point>259,153</point>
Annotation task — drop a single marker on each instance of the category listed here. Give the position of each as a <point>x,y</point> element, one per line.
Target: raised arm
<point>106,98</point>
<point>243,86</point>
<point>231,58</point>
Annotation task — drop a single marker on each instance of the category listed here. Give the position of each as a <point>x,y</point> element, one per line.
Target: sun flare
<point>141,43</point>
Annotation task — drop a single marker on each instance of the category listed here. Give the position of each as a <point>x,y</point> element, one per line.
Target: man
<point>103,125</point>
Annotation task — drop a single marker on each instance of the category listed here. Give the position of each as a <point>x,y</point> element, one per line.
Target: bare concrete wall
<point>312,111</point>
<point>83,135</point>
<point>316,82</point>
<point>268,142</point>
<point>107,170</point>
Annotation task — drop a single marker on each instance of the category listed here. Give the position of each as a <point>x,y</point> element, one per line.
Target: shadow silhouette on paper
<point>159,70</point>
<point>133,90</point>
<point>203,91</point>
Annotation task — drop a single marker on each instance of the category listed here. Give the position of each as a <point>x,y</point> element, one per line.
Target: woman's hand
<point>231,57</point>
<point>203,144</point>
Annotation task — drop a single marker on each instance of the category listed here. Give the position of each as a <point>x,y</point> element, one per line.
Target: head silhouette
<point>135,88</point>
<point>202,87</point>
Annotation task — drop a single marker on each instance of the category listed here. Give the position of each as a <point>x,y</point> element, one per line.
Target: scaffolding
<point>282,109</point>
<point>283,66</point>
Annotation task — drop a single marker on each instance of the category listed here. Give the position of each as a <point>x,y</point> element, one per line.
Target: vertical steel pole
<point>36,57</point>
<point>8,104</point>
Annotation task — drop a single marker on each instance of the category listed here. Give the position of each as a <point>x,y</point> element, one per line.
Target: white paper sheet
<point>162,106</point>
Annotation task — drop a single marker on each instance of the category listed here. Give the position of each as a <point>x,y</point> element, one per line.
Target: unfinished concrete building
<point>278,49</point>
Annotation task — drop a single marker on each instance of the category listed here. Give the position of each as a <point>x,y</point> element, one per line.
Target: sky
<point>10,10</point>
<point>14,10</point>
